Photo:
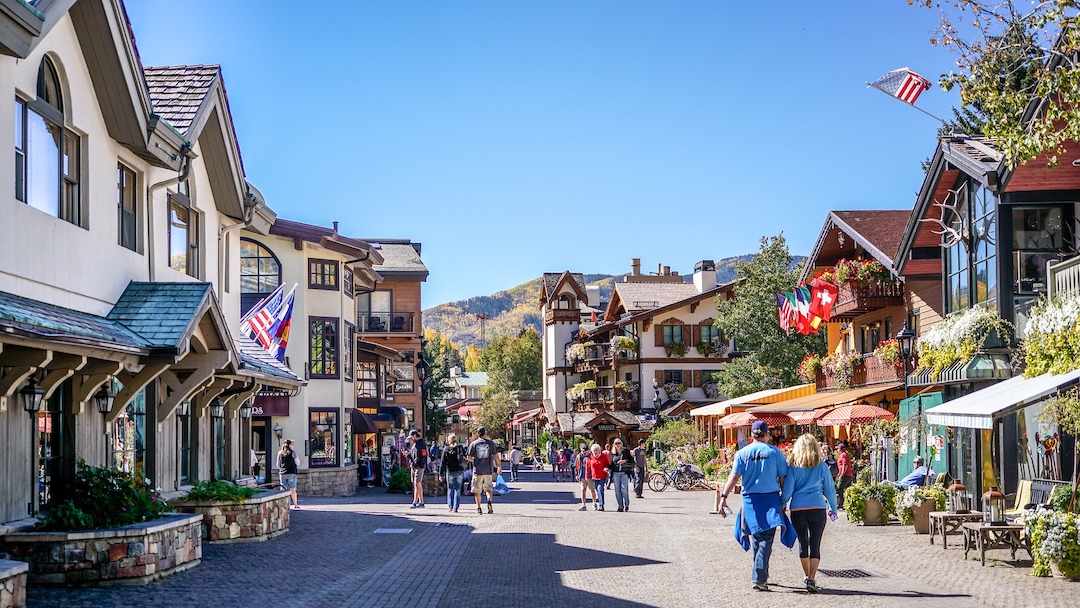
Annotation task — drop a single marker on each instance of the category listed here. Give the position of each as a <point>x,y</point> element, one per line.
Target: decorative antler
<point>951,205</point>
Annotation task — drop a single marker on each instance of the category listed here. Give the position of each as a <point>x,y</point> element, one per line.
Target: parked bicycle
<point>683,477</point>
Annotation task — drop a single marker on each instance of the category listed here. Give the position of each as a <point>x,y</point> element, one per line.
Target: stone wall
<point>13,583</point>
<point>329,481</point>
<point>256,519</point>
<point>139,553</point>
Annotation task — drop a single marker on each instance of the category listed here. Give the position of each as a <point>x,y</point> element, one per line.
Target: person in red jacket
<point>598,468</point>
<point>846,471</point>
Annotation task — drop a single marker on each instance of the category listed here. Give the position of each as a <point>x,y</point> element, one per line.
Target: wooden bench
<point>1041,490</point>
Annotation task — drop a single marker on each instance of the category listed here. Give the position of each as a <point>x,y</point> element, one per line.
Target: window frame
<point>138,419</point>
<point>348,359</point>
<point>313,422</point>
<point>712,330</point>
<point>184,450</point>
<point>669,376</point>
<point>668,334</point>
<point>323,264</point>
<point>250,298</point>
<point>193,250</point>
<point>323,359</point>
<point>123,172</point>
<point>68,205</point>
<point>347,281</point>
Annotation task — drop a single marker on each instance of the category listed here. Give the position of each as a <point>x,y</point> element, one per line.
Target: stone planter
<point>13,583</point>
<point>1055,569</point>
<point>327,481</point>
<point>922,516</point>
<point>255,519</point>
<point>135,554</point>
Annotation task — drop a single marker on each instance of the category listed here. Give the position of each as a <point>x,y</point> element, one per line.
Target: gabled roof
<point>400,258</point>
<point>259,362</point>
<point>878,231</point>
<point>30,317</point>
<point>639,297</point>
<point>615,320</point>
<point>178,92</point>
<point>166,314</point>
<point>472,379</point>
<point>551,281</point>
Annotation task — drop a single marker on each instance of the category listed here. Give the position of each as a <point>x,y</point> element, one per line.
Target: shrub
<point>400,481</point>
<point>858,493</point>
<point>105,498</point>
<point>1054,538</point>
<point>220,491</point>
<point>675,433</point>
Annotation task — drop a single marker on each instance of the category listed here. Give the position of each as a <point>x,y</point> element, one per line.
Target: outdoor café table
<point>946,522</point>
<point>981,536</point>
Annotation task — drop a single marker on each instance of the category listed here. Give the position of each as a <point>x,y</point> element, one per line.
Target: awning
<point>859,413</point>
<point>979,410</point>
<point>740,419</point>
<point>771,395</point>
<point>398,414</point>
<point>362,423</point>
<point>466,411</point>
<point>526,416</point>
<point>812,402</point>
<point>808,417</point>
<point>983,366</point>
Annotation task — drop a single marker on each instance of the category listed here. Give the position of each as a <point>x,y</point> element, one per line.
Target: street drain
<point>845,573</point>
<point>393,531</point>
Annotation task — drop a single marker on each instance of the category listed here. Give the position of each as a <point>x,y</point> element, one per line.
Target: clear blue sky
<point>514,138</point>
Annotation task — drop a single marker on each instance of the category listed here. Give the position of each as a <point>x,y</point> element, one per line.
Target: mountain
<point>508,312</point>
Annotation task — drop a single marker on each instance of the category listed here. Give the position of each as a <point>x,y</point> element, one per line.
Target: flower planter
<point>922,516</point>
<point>135,554</point>
<point>1055,568</point>
<point>874,512</point>
<point>255,519</point>
<point>13,583</point>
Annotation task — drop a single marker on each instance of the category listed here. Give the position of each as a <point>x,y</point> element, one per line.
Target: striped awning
<point>983,366</point>
<point>809,417</point>
<point>772,395</point>
<point>742,419</point>
<point>980,409</point>
<point>859,413</point>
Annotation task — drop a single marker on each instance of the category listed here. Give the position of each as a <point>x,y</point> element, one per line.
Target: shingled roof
<point>177,92</point>
<point>257,359</point>
<point>23,315</point>
<point>882,229</point>
<point>636,297</point>
<point>550,281</point>
<point>161,313</point>
<point>399,257</point>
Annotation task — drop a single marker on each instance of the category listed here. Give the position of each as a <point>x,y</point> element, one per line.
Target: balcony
<point>386,322</point>
<point>867,372</point>
<point>1064,277</point>
<point>606,397</point>
<point>554,315</point>
<point>860,298</point>
<point>602,356</point>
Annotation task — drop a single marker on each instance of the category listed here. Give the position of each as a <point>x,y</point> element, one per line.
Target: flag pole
<point>891,96</point>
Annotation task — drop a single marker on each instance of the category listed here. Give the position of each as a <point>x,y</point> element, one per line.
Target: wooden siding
<point>928,268</point>
<point>926,297</point>
<point>1035,175</point>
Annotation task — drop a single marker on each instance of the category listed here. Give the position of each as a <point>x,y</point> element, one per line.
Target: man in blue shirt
<point>916,477</point>
<point>762,469</point>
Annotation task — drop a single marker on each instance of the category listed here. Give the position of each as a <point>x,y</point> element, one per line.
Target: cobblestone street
<point>537,549</point>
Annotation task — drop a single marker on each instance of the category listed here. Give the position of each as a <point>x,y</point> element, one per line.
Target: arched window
<point>47,155</point>
<point>260,273</point>
<point>565,302</point>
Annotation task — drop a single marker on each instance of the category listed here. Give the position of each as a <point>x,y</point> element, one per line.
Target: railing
<point>866,372</point>
<point>602,356</point>
<point>861,298</point>
<point>1063,277</point>
<point>386,322</point>
<point>562,314</point>
<point>606,397</point>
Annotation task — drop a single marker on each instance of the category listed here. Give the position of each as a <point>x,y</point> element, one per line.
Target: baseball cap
<point>414,432</point>
<point>759,428</point>
<point>481,431</point>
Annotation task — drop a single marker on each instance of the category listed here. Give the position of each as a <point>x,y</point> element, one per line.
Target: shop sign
<point>270,406</point>
<point>607,426</point>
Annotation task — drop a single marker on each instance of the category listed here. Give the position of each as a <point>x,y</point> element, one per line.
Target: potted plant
<point>576,393</point>
<point>624,344</point>
<point>1054,543</point>
<point>674,390</point>
<point>809,367</point>
<point>841,368</point>
<point>575,353</point>
<point>913,506</point>
<point>233,513</point>
<point>867,502</point>
<point>676,349</point>
<point>959,336</point>
<point>711,389</point>
<point>888,353</point>
<point>1052,336</point>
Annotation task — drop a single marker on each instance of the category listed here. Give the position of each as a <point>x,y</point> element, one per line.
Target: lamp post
<point>573,428</point>
<point>656,397</point>
<point>104,398</point>
<point>31,396</point>
<point>426,410</point>
<point>906,338</point>
<point>245,436</point>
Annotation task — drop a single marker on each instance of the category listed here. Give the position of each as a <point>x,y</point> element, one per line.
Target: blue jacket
<point>788,536</point>
<point>809,488</point>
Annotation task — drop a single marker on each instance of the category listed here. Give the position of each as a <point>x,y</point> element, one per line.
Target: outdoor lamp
<point>103,398</point>
<point>31,395</point>
<point>245,409</point>
<point>217,409</point>
<point>993,506</point>
<point>906,338</point>
<point>184,409</point>
<point>956,498</point>
<point>278,430</point>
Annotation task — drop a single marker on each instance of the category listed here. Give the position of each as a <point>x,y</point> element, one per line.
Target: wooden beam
<point>131,388</point>
<point>67,361</point>
<point>12,381</point>
<point>25,357</point>
<point>98,367</point>
<point>62,367</point>
<point>206,366</point>
<point>84,386</point>
<point>232,406</point>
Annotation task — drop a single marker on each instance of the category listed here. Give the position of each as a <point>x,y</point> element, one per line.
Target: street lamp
<point>31,396</point>
<point>217,409</point>
<point>104,398</point>
<point>245,410</point>
<point>573,428</point>
<point>906,338</point>
<point>656,397</point>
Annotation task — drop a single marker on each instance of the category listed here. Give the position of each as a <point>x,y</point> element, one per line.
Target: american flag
<point>279,331</point>
<point>260,319</point>
<point>786,312</point>
<point>902,84</point>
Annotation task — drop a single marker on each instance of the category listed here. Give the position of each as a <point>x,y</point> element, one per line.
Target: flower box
<point>254,519</point>
<point>139,553</point>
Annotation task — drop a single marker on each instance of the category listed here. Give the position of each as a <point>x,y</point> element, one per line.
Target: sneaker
<point>619,510</point>
<point>490,510</point>
<point>811,585</point>
<point>625,509</point>
<point>601,508</point>
<point>420,506</point>
<point>595,507</point>
<point>414,506</point>
<point>761,586</point>
<point>479,510</point>
<point>455,509</point>
<point>582,508</point>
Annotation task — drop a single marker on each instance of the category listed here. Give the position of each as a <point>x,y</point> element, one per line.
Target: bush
<point>675,433</point>
<point>858,493</point>
<point>221,491</point>
<point>400,481</point>
<point>105,498</point>
<point>1060,498</point>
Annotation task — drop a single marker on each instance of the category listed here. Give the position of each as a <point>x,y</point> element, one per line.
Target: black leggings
<point>809,525</point>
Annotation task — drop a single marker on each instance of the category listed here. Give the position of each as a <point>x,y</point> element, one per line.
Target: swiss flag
<point>823,298</point>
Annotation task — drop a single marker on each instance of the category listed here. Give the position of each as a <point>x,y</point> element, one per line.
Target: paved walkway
<point>537,549</point>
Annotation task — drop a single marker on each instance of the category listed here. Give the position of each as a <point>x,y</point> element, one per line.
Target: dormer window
<point>565,302</point>
<point>47,154</point>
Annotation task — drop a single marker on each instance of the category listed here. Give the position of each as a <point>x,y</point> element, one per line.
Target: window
<point>184,436</point>
<point>374,310</point>
<point>403,374</point>
<point>870,336</point>
<point>472,392</point>
<point>127,219</point>
<point>323,440</point>
<point>183,237</point>
<point>347,282</point>
<point>1037,239</point>
<point>260,273</point>
<point>347,351</point>
<point>129,437</point>
<point>709,333</point>
<point>47,156</point>
<point>672,334</point>
<point>322,274</point>
<point>971,272</point>
<point>673,376</point>
<point>53,463</point>
<point>367,380</point>
<point>323,347</point>
<point>219,447</point>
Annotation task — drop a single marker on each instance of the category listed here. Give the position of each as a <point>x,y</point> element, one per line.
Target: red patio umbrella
<point>739,419</point>
<point>808,416</point>
<point>859,413</point>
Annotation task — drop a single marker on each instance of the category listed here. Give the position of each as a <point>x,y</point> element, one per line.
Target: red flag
<point>823,298</point>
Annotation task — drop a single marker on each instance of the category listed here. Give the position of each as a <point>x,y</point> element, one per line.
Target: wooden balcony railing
<point>562,314</point>
<point>606,397</point>
<point>867,372</point>
<point>602,356</point>
<point>1063,277</point>
<point>860,298</point>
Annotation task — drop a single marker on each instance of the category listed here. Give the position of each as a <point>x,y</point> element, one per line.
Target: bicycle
<point>681,477</point>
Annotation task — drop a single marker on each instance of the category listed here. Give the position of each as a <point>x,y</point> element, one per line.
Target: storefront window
<point>323,426</point>
<point>183,434</point>
<point>129,437</point>
<point>52,462</point>
<point>367,380</point>
<point>219,448</point>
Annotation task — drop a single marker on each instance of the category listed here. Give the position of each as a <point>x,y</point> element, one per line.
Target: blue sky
<point>514,138</point>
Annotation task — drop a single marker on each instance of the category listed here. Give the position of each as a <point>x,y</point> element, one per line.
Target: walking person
<point>762,469</point>
<point>418,461</point>
<point>599,463</point>
<point>830,461</point>
<point>622,466</point>
<point>453,470</point>
<point>584,476</point>
<point>515,462</point>
<point>845,469</point>
<point>288,463</point>
<point>641,468</point>
<point>484,456</point>
<point>809,486</point>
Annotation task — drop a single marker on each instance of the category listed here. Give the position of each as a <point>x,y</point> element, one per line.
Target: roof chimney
<point>667,271</point>
<point>659,269</point>
<point>705,275</point>
<point>335,226</point>
<point>455,371</point>
<point>635,267</point>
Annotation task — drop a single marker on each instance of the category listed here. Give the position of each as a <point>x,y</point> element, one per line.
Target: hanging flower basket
<point>960,335</point>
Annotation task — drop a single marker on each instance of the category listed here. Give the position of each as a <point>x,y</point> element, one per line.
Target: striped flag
<point>786,312</point>
<point>261,317</point>
<point>903,84</point>
<point>279,331</point>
